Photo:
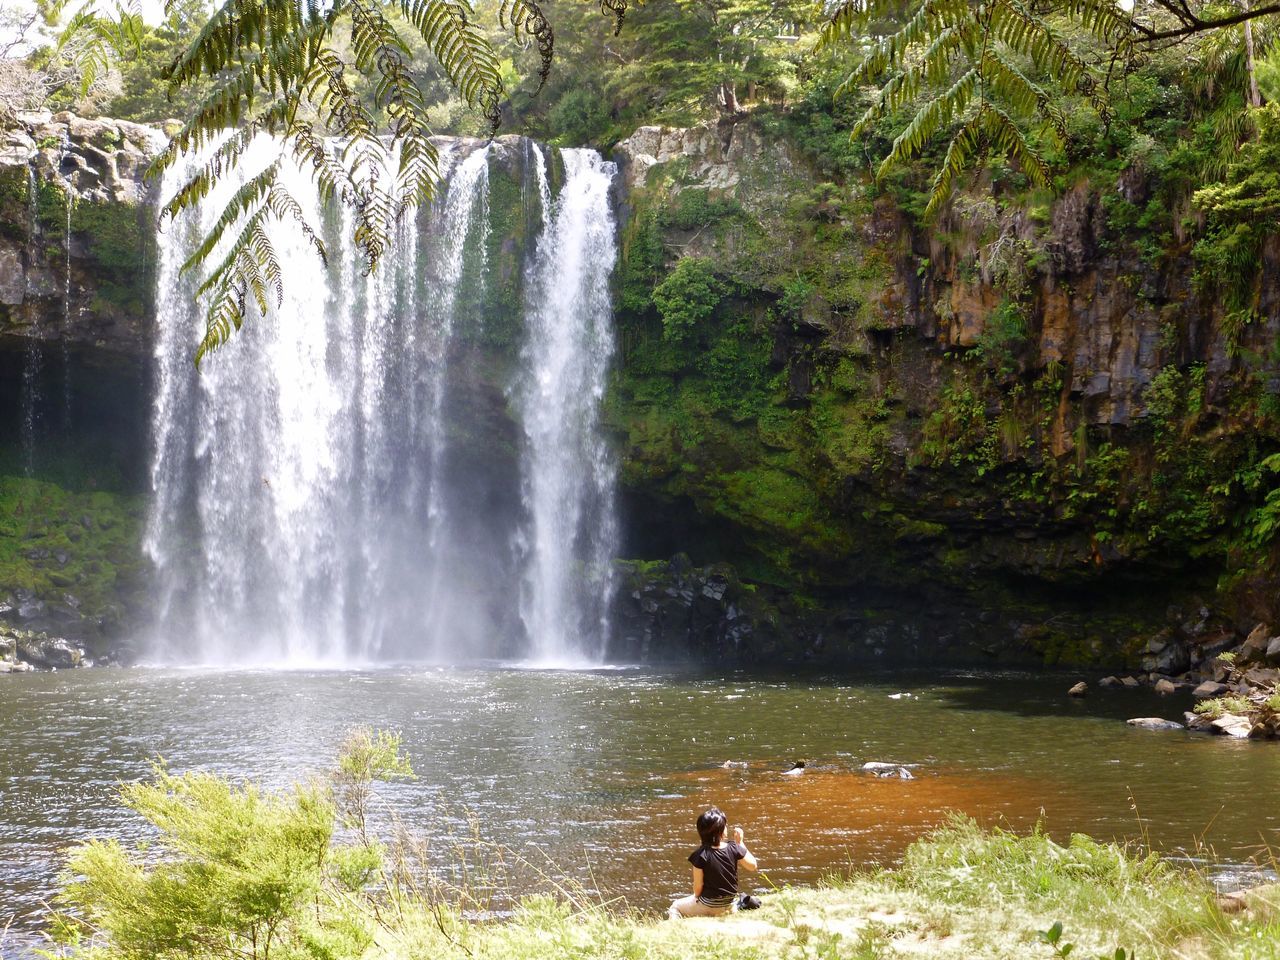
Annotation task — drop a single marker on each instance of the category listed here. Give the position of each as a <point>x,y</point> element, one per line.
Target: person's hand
<point>737,834</point>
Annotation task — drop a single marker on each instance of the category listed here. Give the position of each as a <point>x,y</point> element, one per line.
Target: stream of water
<point>597,776</point>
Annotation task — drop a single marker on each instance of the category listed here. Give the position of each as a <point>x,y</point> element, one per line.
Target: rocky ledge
<point>22,650</point>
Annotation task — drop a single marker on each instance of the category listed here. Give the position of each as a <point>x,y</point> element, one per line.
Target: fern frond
<point>525,18</point>
<point>1009,84</point>
<point>466,56</point>
<point>934,115</point>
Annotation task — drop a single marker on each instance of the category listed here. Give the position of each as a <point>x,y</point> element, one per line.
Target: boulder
<point>1166,654</point>
<point>1165,686</point>
<point>1079,690</point>
<point>1262,676</point>
<point>1210,688</point>
<point>1256,644</point>
<point>50,652</point>
<point>1154,723</point>
<point>1109,682</point>
<point>1273,651</point>
<point>880,769</point>
<point>1198,721</point>
<point>1130,682</point>
<point>1233,725</point>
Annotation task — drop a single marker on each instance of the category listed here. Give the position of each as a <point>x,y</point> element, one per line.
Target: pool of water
<point>595,777</point>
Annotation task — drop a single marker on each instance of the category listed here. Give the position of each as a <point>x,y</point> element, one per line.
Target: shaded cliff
<point>1018,431</point>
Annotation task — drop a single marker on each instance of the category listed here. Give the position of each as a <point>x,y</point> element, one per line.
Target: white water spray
<point>317,497</point>
<point>568,471</point>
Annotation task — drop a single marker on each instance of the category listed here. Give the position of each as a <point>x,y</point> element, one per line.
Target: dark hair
<point>711,826</point>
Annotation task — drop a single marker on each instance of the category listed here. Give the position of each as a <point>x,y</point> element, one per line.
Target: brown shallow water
<point>597,776</point>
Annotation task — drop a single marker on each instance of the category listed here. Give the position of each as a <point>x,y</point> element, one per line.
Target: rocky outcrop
<point>77,236</point>
<point>1008,415</point>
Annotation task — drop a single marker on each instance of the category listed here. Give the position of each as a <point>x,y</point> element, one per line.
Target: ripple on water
<point>620,763</point>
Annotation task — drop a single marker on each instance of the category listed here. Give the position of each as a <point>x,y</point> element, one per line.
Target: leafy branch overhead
<point>279,68</point>
<point>972,60</point>
<point>984,75</point>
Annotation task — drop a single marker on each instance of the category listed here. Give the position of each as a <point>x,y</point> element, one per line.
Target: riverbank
<point>961,892</point>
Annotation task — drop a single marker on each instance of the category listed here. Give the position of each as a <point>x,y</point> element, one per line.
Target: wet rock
<point>878,768</point>
<point>1078,690</point>
<point>1154,723</point>
<point>49,652</point>
<point>1165,686</point>
<point>1109,682</point>
<point>1198,721</point>
<point>1210,688</point>
<point>1170,656</point>
<point>1233,725</point>
<point>1130,682</point>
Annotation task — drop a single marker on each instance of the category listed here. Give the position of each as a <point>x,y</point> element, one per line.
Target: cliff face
<point>76,233</point>
<point>1019,431</point>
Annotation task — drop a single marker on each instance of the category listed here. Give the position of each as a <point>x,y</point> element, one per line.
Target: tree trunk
<point>1255,97</point>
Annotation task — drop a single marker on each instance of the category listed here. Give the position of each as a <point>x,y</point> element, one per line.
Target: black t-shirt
<point>719,866</point>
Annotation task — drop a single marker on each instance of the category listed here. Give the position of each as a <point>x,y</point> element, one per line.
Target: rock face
<point>881,442</point>
<point>952,429</point>
<point>77,232</point>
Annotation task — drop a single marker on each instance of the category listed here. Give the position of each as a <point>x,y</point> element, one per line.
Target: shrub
<point>687,297</point>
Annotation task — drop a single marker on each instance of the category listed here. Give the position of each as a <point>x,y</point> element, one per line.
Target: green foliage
<point>54,540</point>
<point>1242,211</point>
<point>970,58</point>
<point>692,209</point>
<point>1263,523</point>
<point>687,298</point>
<point>241,873</point>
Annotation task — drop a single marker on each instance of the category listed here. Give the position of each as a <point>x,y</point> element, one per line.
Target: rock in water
<point>1154,723</point>
<point>1198,721</point>
<point>1079,690</point>
<point>880,769</point>
<point>1233,725</point>
<point>1130,682</point>
<point>1109,682</point>
<point>1166,686</point>
<point>734,765</point>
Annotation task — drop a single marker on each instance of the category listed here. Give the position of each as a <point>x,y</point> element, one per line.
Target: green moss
<point>55,541</point>
<point>15,206</point>
<point>118,236</point>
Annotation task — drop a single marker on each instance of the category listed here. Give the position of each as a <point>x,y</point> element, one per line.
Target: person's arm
<point>748,859</point>
<point>697,881</point>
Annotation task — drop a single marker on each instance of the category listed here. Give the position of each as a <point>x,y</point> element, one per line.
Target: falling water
<point>568,474</point>
<point>31,362</point>
<point>317,491</point>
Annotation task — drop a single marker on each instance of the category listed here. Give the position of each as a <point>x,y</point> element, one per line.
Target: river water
<point>596,777</point>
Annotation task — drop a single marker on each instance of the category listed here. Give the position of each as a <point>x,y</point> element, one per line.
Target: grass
<point>961,892</point>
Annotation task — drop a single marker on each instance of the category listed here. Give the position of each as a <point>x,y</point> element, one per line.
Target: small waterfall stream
<point>372,472</point>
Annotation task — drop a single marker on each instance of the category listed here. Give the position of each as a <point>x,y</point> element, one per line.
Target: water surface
<point>598,776</point>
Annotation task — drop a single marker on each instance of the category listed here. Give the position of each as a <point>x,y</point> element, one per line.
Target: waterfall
<point>568,474</point>
<point>342,483</point>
